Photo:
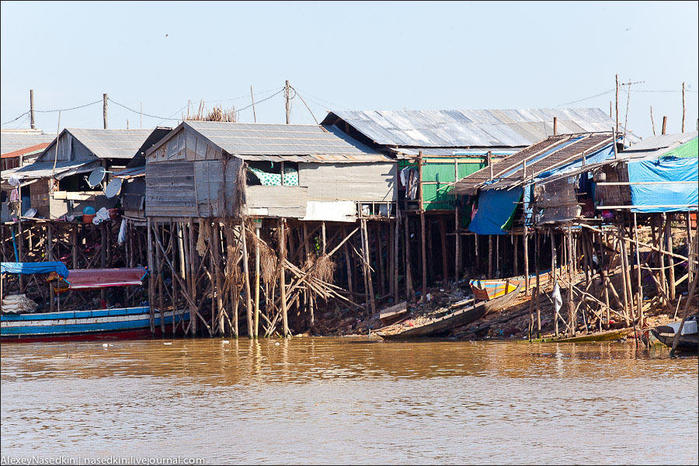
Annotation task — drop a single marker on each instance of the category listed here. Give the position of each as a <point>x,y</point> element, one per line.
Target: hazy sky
<point>369,56</point>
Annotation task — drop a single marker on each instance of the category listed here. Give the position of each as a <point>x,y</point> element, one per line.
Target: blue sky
<point>341,55</point>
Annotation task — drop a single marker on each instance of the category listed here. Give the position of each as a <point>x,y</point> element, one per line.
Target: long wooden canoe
<point>457,315</point>
<point>488,289</point>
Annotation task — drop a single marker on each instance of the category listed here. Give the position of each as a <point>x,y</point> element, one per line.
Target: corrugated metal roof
<point>251,141</point>
<point>15,140</point>
<point>47,169</point>
<point>470,128</point>
<point>663,141</point>
<point>111,143</point>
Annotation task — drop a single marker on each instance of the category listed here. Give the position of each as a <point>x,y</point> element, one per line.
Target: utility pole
<point>616,118</point>
<point>104,110</point>
<point>555,126</point>
<point>664,125</point>
<point>684,109</point>
<point>31,107</point>
<point>288,101</point>
<point>254,114</point>
<point>140,115</point>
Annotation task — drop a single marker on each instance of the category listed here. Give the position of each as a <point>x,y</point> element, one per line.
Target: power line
<point>141,113</point>
<point>257,102</point>
<point>15,119</point>
<point>587,98</point>
<point>52,111</point>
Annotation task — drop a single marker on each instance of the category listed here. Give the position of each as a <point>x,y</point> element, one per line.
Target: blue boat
<point>96,324</point>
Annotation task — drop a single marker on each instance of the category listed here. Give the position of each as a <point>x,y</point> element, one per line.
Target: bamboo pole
<point>525,244</point>
<point>151,276</point>
<point>246,276</point>
<point>282,275</point>
<point>571,311</point>
<point>639,285</point>
<point>408,269</point>
<point>670,261</point>
<point>257,280</point>
<point>396,254</point>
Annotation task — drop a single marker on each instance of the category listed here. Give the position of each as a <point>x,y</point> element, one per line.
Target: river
<point>349,400</point>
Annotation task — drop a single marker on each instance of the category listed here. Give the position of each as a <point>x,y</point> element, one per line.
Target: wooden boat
<point>458,314</point>
<point>494,288</point>
<point>689,339</point>
<point>101,324</point>
<point>93,324</point>
<point>607,335</point>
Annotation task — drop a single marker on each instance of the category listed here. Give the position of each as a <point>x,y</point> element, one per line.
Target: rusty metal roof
<point>296,143</point>
<point>469,128</point>
<point>551,153</point>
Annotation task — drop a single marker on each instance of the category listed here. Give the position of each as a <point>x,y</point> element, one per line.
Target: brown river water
<point>349,400</point>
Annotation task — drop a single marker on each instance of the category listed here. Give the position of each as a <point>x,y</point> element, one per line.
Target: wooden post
<point>257,279</point>
<point>555,126</point>
<point>670,260</point>
<point>616,107</point>
<point>74,241</point>
<point>443,240</point>
<point>379,255</point>
<point>571,309</point>
<point>49,256</point>
<point>639,285</point>
<point>159,271</point>
<point>408,269</point>
<point>324,237</point>
<point>367,268</point>
<point>661,245</point>
<point>252,98</point>
<point>287,101</point>
<point>497,255</point>
<point>151,277</point>
<point>457,227</point>
<point>652,121</point>
<point>103,253</point>
<point>664,125</point>
<point>490,256</point>
<point>282,275</point>
<point>423,253</point>
<point>684,108</point>
<point>246,275</point>
<point>104,109</point>
<point>525,244</point>
<point>396,253</point>
<point>32,125</point>
<point>515,244</point>
<point>690,247</point>
<point>536,292</point>
<point>192,277</point>
<point>348,263</point>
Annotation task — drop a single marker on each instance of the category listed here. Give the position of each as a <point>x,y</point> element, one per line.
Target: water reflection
<point>335,400</point>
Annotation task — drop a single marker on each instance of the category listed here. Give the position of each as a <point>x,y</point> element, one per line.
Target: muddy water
<point>327,400</point>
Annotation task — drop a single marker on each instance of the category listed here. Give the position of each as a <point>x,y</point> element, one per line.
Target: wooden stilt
<point>515,244</point>
<point>571,310</point>
<point>639,291</point>
<point>49,256</point>
<point>348,263</point>
<point>379,255</point>
<point>367,262</point>
<point>670,261</point>
<point>423,253</point>
<point>497,256</point>
<point>396,252</point>
<point>282,275</point>
<point>525,244</point>
<point>408,268</point>
<point>457,244</point>
<point>257,280</point>
<point>74,241</point>
<point>443,241</point>
<point>536,291</point>
<point>151,277</point>
<point>490,256</point>
<point>246,277</point>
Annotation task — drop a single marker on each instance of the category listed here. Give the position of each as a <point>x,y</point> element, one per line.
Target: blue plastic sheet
<point>680,197</point>
<point>28,268</point>
<point>494,210</point>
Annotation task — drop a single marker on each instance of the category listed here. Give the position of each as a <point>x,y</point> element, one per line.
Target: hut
<point>58,186</point>
<point>19,147</point>
<point>436,148</point>
<point>219,194</point>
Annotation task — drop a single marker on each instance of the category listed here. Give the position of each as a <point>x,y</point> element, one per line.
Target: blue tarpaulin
<point>34,267</point>
<point>495,207</point>
<point>665,190</point>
